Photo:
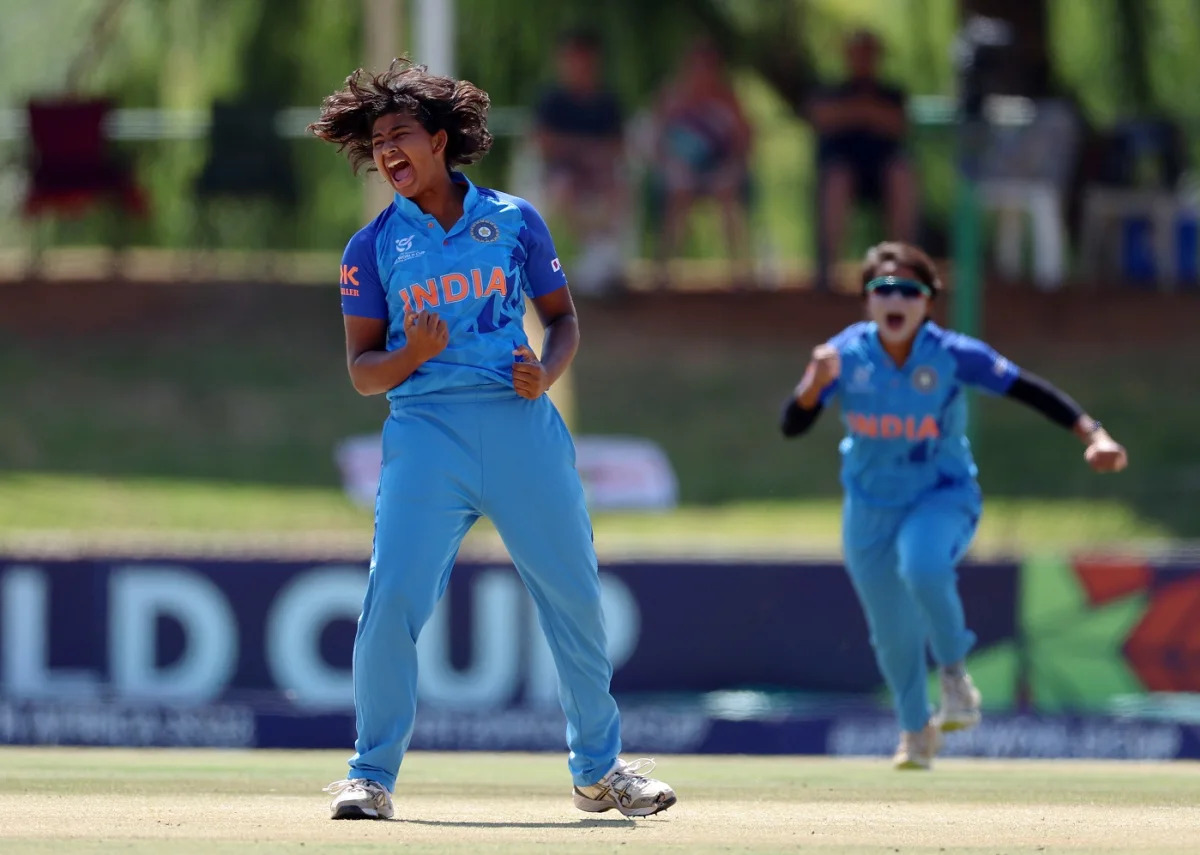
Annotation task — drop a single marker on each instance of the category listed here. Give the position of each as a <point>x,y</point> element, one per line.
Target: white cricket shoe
<point>917,748</point>
<point>960,703</point>
<point>627,789</point>
<point>358,798</point>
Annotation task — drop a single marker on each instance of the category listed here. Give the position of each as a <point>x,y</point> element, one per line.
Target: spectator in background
<point>861,125</point>
<point>579,138</point>
<point>703,149</point>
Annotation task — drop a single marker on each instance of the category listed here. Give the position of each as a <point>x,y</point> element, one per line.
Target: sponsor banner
<point>1104,627</point>
<point>226,653</point>
<point>142,725</point>
<point>1031,736</point>
<point>645,729</point>
<point>279,635</point>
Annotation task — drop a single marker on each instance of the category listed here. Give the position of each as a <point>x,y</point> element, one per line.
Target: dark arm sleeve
<point>1044,397</point>
<point>796,420</point>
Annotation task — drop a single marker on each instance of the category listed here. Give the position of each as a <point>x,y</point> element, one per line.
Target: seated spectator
<point>579,138</point>
<point>861,126</point>
<point>703,149</point>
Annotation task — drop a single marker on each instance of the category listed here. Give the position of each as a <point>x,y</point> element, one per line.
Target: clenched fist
<point>1105,454</point>
<point>426,334</point>
<point>530,377</point>
<point>825,365</point>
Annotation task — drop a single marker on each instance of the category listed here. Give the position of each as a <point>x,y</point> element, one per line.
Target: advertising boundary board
<point>645,730</point>
<point>171,651</point>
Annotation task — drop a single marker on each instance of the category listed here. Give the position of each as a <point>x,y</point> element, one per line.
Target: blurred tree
<point>1116,56</point>
<point>766,37</point>
<point>1133,25</point>
<point>644,40</point>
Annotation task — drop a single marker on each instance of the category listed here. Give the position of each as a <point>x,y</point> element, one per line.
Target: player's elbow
<point>363,384</point>
<point>791,430</point>
<point>368,389</point>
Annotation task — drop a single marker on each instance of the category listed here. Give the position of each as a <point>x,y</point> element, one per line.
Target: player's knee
<point>397,602</point>
<point>925,574</point>
<point>582,597</point>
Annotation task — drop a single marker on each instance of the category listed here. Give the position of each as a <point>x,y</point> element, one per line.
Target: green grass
<point>184,802</point>
<point>178,407</point>
<point>715,410</point>
<point>110,512</point>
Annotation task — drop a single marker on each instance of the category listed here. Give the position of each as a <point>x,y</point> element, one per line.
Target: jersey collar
<point>409,209</point>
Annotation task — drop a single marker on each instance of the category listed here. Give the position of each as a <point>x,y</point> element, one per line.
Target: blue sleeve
<point>979,365</point>
<point>362,292</point>
<point>543,271</point>
<point>840,341</point>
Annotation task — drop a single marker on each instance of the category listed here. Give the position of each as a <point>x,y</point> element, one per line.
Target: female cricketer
<point>911,499</point>
<point>433,297</point>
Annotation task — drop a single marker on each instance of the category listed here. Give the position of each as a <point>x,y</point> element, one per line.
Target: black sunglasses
<point>909,289</point>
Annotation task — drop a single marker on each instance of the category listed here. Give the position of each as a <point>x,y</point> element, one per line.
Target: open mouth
<point>894,320</point>
<point>400,171</point>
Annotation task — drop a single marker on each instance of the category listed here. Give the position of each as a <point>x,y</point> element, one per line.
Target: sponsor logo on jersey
<point>555,265</point>
<point>484,231</point>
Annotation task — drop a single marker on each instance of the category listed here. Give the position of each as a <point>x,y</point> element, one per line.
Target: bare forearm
<point>826,117</point>
<point>808,393</point>
<point>884,119</point>
<point>559,344</point>
<point>376,371</point>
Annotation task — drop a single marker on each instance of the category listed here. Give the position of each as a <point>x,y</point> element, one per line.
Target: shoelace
<point>340,786</point>
<point>633,775</point>
<point>639,768</point>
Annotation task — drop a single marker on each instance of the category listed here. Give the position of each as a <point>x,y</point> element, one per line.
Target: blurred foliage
<point>187,53</point>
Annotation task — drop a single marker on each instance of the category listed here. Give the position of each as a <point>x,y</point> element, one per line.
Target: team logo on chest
<point>924,378</point>
<point>484,231</point>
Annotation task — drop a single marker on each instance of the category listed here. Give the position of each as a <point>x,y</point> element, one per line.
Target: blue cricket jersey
<point>906,425</point>
<point>475,276</point>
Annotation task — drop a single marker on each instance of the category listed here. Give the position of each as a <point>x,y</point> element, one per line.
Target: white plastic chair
<point>1026,169</point>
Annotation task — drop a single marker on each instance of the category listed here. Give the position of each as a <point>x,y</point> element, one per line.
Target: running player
<point>433,296</point>
<point>912,502</point>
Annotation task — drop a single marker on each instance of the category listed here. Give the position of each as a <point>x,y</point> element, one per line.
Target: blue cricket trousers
<point>448,458</point>
<point>902,563</point>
